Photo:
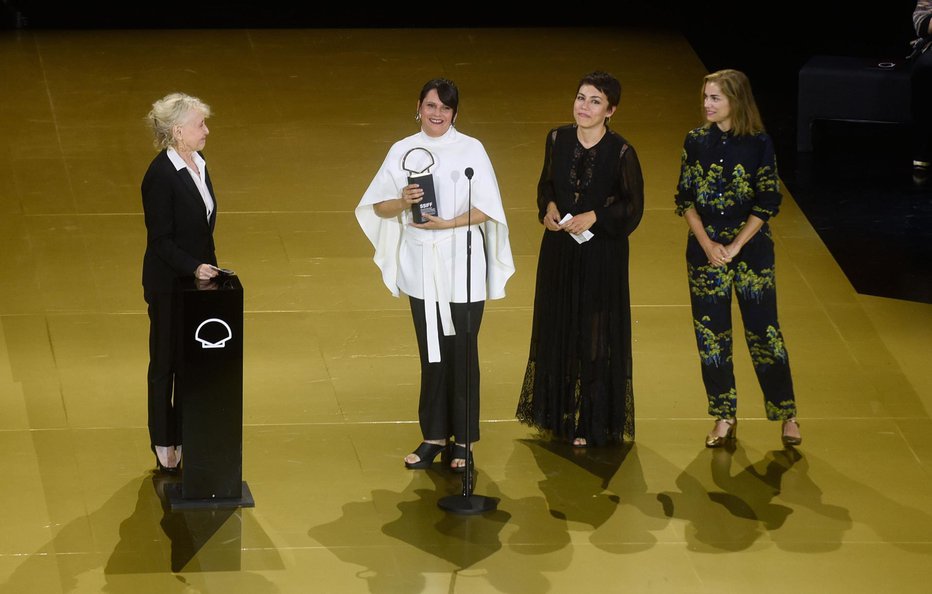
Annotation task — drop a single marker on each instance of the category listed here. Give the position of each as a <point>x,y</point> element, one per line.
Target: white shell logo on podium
<point>213,333</point>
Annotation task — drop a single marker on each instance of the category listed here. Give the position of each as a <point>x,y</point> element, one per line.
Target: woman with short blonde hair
<point>180,211</point>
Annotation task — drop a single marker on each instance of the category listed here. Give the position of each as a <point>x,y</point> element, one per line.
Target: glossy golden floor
<point>302,119</point>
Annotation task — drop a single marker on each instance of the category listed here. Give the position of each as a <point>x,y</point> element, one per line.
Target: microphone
<point>469,173</point>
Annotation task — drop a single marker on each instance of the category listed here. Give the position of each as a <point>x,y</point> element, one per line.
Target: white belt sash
<point>436,294</point>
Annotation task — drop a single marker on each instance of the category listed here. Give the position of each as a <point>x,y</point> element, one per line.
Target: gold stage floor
<point>302,119</point>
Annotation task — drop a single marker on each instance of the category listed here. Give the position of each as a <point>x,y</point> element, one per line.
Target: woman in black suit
<point>180,211</point>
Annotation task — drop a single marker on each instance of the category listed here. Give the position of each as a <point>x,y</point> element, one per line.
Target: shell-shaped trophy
<point>417,162</point>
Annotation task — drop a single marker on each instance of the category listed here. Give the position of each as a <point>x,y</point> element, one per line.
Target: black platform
<point>851,88</point>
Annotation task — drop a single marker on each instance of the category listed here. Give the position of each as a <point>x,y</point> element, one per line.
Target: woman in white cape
<point>427,262</point>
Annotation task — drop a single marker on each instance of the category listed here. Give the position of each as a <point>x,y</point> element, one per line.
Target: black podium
<point>851,89</point>
<point>209,383</point>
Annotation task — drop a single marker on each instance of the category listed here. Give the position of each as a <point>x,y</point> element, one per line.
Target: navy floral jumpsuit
<point>727,178</point>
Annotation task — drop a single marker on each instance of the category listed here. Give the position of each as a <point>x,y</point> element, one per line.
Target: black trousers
<point>164,406</point>
<point>751,277</point>
<point>921,84</point>
<point>442,405</point>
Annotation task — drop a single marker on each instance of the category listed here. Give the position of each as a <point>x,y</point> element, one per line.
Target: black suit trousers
<point>164,404</point>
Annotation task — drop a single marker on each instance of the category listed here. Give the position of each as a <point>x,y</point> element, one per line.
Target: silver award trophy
<point>417,162</point>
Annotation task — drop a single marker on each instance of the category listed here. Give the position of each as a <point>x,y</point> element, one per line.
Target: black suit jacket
<point>179,238</point>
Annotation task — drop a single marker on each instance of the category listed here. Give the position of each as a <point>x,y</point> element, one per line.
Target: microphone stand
<point>468,503</point>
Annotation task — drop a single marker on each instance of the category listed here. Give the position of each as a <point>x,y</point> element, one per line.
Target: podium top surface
<point>224,283</point>
<point>821,64</point>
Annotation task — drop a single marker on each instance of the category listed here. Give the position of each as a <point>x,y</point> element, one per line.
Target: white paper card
<point>579,237</point>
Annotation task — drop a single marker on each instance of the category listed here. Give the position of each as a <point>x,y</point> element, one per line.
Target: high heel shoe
<point>459,453</point>
<point>716,441</point>
<point>161,467</point>
<point>790,440</point>
<point>426,452</point>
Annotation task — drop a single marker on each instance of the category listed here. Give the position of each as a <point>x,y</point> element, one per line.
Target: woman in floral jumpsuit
<point>727,191</point>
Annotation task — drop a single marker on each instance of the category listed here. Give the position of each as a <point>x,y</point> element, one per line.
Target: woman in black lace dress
<point>590,198</point>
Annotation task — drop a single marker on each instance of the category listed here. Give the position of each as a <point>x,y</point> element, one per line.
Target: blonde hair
<point>170,111</point>
<point>734,84</point>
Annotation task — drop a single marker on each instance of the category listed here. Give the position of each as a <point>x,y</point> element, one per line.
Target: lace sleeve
<point>623,215</point>
<point>545,191</point>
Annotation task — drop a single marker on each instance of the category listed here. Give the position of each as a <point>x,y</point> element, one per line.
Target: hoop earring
<point>417,117</point>
<point>607,120</point>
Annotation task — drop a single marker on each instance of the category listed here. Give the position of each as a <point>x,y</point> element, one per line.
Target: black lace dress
<point>578,379</point>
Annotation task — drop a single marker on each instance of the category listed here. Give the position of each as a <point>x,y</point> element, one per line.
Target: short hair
<point>605,83</point>
<point>170,111</point>
<point>734,84</point>
<point>446,90</point>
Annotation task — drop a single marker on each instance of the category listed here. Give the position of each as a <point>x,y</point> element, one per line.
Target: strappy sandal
<point>459,453</point>
<point>790,440</point>
<point>713,440</point>
<point>426,452</point>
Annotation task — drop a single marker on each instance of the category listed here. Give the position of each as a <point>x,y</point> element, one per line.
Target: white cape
<point>431,265</point>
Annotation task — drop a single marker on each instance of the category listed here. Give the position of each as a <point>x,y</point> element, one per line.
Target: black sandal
<point>426,452</point>
<point>459,452</point>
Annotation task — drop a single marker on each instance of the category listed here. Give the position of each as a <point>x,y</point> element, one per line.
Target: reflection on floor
<point>302,118</point>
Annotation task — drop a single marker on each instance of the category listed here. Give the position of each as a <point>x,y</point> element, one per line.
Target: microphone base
<point>468,506</point>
